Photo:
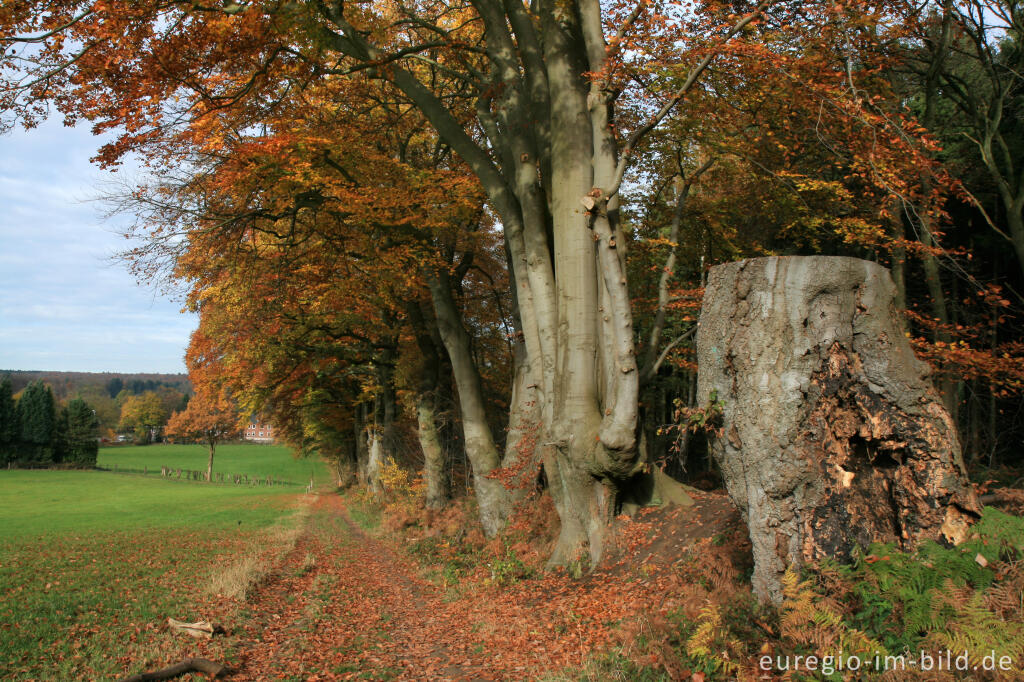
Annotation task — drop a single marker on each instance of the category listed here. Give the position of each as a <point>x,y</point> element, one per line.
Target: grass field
<point>46,503</point>
<point>251,459</point>
<point>92,564</point>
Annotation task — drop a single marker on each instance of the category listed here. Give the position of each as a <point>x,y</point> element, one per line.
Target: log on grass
<point>189,665</point>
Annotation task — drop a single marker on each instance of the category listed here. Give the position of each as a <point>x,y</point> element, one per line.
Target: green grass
<point>92,564</point>
<point>252,459</point>
<point>44,503</point>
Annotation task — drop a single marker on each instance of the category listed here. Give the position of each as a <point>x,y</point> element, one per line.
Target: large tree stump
<point>833,436</point>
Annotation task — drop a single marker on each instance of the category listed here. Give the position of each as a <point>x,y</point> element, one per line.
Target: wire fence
<point>180,474</point>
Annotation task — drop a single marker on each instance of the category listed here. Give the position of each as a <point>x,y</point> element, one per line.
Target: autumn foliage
<point>467,242</point>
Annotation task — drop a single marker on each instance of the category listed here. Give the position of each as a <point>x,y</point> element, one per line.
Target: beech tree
<point>210,417</point>
<point>971,55</point>
<point>144,415</point>
<point>525,96</point>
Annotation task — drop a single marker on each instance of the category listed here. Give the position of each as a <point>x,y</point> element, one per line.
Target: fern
<point>999,535</point>
<point>1006,598</point>
<point>975,629</point>
<point>807,617</point>
<point>712,644</point>
<point>966,598</point>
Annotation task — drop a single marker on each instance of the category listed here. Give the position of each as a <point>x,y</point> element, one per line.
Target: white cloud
<point>63,306</point>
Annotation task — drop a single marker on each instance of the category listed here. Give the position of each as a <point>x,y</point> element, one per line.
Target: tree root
<point>189,665</point>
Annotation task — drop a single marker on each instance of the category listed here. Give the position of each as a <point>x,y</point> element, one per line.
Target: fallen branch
<point>189,665</point>
<point>201,628</point>
<point>1003,496</point>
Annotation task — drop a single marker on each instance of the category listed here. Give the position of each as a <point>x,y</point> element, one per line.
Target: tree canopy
<point>530,196</point>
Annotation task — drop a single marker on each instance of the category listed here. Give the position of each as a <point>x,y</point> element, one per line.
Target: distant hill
<point>65,384</point>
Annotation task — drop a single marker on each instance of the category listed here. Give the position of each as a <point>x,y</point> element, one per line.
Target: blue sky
<point>63,305</point>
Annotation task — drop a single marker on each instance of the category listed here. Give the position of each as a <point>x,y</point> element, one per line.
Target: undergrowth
<point>965,599</point>
<point>449,545</point>
<point>887,603</point>
<point>896,606</point>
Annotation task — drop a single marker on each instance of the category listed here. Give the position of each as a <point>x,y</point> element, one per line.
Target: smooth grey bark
<point>521,456</point>
<point>375,460</point>
<point>437,489</point>
<point>481,450</point>
<point>430,374</point>
<point>832,435</point>
<point>361,444</point>
<point>548,159</point>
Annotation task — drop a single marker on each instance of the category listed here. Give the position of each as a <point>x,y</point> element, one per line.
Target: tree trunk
<point>209,464</point>
<point>550,169</point>
<point>492,497</point>
<point>361,444</point>
<point>347,464</point>
<point>431,374</point>
<point>1015,221</point>
<point>898,261</point>
<point>189,665</point>
<point>522,452</point>
<point>385,401</point>
<point>375,460</point>
<point>832,435</point>
<point>433,455</point>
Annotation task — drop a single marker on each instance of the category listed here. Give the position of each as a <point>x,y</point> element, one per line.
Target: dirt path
<point>344,607</point>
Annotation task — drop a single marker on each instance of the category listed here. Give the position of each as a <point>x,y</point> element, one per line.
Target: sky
<point>63,305</point>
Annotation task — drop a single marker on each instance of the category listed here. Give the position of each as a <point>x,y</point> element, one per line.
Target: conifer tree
<point>81,441</point>
<point>59,439</point>
<point>37,416</point>
<point>10,429</point>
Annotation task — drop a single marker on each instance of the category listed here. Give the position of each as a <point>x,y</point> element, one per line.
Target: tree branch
<point>691,80</point>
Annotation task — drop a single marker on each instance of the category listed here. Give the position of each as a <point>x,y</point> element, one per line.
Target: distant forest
<point>67,384</point>
<point>139,403</point>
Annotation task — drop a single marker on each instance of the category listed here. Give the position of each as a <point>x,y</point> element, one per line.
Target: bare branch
<point>49,34</point>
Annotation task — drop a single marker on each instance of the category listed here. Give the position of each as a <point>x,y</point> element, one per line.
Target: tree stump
<point>832,436</point>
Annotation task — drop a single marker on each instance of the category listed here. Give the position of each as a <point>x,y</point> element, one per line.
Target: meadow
<point>93,563</point>
<point>252,459</point>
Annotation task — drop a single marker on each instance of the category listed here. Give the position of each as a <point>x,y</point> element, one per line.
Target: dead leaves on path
<point>363,609</point>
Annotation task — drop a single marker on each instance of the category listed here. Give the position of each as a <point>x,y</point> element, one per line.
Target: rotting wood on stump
<point>833,436</point>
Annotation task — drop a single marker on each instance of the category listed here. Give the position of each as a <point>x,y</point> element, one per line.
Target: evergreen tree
<point>115,386</point>
<point>10,429</point>
<point>81,440</point>
<point>59,440</point>
<point>37,416</point>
